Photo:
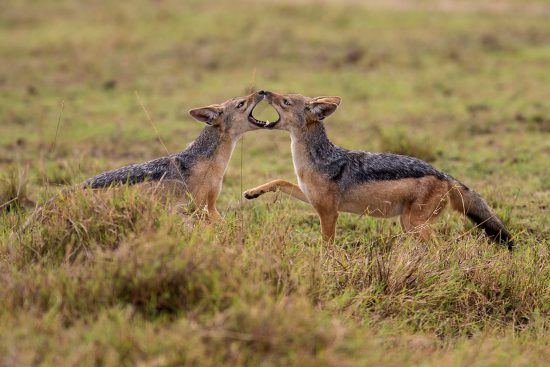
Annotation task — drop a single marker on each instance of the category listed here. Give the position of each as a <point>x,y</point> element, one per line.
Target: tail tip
<point>505,238</point>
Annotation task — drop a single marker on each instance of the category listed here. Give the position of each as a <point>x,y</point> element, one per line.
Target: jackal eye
<point>240,104</point>
<point>286,102</point>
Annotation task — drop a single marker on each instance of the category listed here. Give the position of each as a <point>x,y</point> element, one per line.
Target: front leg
<point>327,209</point>
<point>277,185</point>
<point>213,213</point>
<point>328,225</point>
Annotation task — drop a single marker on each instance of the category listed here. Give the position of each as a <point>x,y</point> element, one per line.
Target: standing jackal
<point>334,179</point>
<point>198,170</point>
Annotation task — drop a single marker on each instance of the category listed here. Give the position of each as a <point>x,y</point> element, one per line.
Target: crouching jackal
<point>334,179</point>
<point>197,172</point>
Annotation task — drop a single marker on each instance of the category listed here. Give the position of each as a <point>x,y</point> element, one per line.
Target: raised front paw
<point>252,193</point>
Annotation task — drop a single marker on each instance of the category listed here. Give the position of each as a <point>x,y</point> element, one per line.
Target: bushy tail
<point>135,173</point>
<point>471,204</point>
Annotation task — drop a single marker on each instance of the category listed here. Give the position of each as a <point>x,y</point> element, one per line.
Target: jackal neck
<point>212,146</point>
<point>207,144</point>
<point>316,143</point>
<point>311,148</point>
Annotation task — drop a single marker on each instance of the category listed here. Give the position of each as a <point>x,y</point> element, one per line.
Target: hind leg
<point>417,216</point>
<point>213,214</point>
<point>413,221</point>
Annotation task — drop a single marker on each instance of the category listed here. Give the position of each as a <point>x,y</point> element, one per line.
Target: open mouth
<point>264,115</point>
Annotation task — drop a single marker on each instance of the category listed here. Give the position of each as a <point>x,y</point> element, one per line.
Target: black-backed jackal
<point>197,172</point>
<point>334,179</point>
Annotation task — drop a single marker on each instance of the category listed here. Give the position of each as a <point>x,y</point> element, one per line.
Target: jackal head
<point>231,116</point>
<point>296,111</point>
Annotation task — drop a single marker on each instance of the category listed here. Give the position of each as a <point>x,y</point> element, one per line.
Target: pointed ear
<point>332,99</point>
<point>208,114</point>
<point>322,109</point>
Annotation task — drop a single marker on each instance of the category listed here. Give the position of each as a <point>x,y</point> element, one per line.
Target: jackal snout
<point>260,123</point>
<point>296,111</point>
<point>231,116</point>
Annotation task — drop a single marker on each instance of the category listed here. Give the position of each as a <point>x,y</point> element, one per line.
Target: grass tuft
<point>14,193</point>
<point>68,227</point>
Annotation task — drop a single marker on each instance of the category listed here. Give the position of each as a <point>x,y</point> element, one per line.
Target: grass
<point>113,278</point>
<point>13,191</point>
<point>397,141</point>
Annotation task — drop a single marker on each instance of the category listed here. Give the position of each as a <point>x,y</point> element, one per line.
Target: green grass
<point>112,278</point>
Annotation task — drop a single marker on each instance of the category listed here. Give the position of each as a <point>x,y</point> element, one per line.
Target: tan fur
<point>418,201</point>
<point>389,198</point>
<point>205,182</point>
<point>277,185</point>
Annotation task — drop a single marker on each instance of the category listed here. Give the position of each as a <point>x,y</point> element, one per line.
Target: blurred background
<point>462,84</point>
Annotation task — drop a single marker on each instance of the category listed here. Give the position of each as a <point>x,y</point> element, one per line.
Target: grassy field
<point>111,278</point>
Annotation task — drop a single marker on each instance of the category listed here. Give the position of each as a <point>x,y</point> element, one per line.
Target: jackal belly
<point>380,198</point>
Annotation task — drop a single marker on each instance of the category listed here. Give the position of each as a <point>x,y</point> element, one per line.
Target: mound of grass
<point>67,227</point>
<point>206,295</point>
<point>156,275</point>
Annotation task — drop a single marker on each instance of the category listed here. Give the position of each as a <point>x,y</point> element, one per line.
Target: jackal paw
<point>252,194</point>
